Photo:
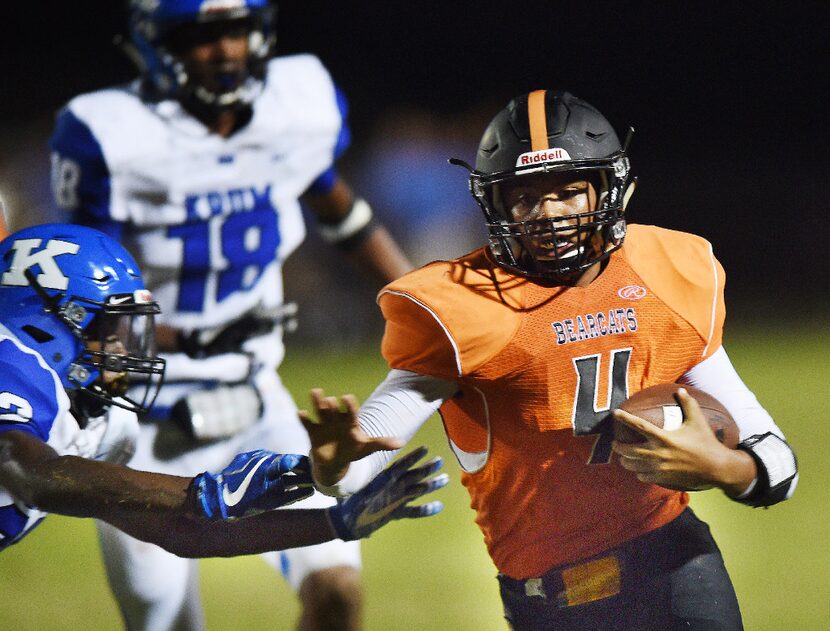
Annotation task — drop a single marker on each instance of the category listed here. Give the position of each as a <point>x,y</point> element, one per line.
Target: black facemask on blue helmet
<point>76,297</point>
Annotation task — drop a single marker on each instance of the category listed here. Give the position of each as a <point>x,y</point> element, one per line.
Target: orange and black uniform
<point>539,367</point>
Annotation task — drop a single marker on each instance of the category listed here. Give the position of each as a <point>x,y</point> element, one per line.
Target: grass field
<point>435,575</point>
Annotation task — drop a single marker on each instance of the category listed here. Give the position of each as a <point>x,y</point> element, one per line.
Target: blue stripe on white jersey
<point>324,183</point>
<point>32,400</point>
<point>345,137</point>
<point>29,399</point>
<point>80,176</point>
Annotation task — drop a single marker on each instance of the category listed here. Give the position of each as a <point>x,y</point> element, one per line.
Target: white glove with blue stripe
<point>387,497</point>
<point>253,481</point>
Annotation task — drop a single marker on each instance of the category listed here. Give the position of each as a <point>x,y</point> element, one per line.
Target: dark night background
<point>728,100</point>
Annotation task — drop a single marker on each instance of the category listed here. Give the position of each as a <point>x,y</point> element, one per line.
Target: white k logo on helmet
<point>50,276</point>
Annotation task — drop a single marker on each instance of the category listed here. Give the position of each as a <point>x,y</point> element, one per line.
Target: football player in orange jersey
<point>526,347</point>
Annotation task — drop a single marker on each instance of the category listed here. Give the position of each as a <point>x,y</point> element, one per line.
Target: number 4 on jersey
<point>587,419</point>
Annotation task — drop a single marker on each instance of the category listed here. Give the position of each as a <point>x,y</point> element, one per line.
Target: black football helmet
<point>554,132</point>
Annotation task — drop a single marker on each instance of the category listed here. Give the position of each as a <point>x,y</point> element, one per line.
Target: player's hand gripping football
<point>387,497</point>
<point>336,437</point>
<point>689,458</point>
<point>253,481</point>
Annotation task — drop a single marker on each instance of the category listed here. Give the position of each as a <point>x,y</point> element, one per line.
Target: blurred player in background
<point>528,345</point>
<point>198,168</point>
<point>76,327</point>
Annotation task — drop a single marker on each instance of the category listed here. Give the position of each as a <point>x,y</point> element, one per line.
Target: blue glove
<point>255,480</point>
<point>387,497</point>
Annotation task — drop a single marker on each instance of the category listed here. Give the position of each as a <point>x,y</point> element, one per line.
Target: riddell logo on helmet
<point>543,155</point>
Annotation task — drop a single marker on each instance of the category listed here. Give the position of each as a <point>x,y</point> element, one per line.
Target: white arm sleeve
<point>718,377</point>
<point>398,407</point>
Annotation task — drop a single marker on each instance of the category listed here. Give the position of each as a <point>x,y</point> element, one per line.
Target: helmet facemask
<point>120,348</point>
<point>536,147</point>
<point>561,246</point>
<point>206,86</point>
<point>116,349</point>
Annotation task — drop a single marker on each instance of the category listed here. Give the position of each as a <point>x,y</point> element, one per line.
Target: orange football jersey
<point>539,368</point>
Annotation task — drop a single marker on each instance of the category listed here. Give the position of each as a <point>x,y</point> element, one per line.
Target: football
<point>657,405</point>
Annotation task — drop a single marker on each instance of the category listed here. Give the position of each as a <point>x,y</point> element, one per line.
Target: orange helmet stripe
<point>538,120</point>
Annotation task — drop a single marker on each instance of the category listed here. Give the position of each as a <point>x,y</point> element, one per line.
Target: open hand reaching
<point>337,438</point>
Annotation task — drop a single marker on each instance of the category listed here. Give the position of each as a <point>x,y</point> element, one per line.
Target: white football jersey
<point>210,220</point>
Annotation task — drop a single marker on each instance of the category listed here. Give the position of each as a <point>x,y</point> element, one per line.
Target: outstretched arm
<point>337,439</point>
<point>349,446</point>
<point>170,511</point>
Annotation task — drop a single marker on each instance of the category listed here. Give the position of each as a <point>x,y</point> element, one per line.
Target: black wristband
<point>777,468</point>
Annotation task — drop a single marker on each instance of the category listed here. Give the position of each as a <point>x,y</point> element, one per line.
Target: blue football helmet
<point>153,22</point>
<point>76,296</point>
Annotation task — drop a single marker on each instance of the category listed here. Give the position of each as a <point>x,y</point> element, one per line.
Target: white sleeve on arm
<point>398,407</point>
<point>717,376</point>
